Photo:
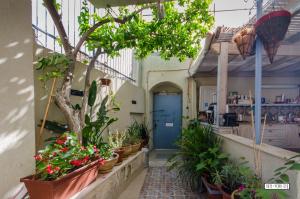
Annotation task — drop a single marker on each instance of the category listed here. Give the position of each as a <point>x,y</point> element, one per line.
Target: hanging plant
<point>245,41</point>
<point>271,29</point>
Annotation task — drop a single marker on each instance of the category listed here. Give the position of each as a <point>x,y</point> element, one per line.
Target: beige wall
<point>157,72</point>
<point>271,157</point>
<point>125,92</point>
<point>17,96</point>
<point>244,84</point>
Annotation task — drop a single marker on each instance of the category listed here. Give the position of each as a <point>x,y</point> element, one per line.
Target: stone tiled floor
<point>161,184</point>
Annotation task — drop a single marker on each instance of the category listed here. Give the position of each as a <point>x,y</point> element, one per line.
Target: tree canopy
<point>174,29</point>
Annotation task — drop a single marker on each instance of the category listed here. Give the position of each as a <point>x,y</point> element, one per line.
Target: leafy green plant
<point>92,132</point>
<point>116,139</point>
<point>280,176</point>
<point>62,156</point>
<point>133,134</point>
<point>52,66</point>
<point>233,176</point>
<point>199,152</point>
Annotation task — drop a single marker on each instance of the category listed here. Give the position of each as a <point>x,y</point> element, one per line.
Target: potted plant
<point>116,141</point>
<point>93,130</point>
<point>110,158</point>
<point>133,137</point>
<point>63,168</point>
<point>144,133</point>
<point>231,178</point>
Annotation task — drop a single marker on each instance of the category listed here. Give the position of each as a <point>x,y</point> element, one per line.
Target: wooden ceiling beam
<point>284,50</point>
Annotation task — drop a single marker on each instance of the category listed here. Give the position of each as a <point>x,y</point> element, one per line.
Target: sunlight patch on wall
<point>11,140</point>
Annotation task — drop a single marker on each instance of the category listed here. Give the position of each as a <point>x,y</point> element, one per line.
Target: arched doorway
<point>167,115</point>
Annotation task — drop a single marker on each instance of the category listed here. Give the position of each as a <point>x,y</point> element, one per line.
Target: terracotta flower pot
<point>105,81</point>
<point>225,195</point>
<point>135,148</point>
<point>212,190</point>
<point>127,151</point>
<point>120,152</point>
<point>109,164</point>
<point>64,187</point>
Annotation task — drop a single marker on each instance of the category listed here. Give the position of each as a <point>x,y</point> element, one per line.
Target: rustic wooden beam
<point>284,50</point>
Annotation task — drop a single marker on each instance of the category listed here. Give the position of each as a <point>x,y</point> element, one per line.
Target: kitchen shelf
<point>265,105</point>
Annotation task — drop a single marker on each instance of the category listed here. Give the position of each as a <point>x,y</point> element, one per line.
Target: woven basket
<point>271,29</point>
<point>245,41</point>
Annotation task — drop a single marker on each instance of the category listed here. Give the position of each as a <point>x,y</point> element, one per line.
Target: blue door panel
<point>167,113</point>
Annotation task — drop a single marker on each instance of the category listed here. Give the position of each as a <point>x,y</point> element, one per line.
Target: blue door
<point>167,111</point>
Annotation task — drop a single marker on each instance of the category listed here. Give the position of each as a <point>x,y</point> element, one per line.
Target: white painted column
<point>17,126</point>
<point>222,79</point>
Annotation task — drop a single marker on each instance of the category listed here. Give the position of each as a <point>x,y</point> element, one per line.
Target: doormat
<point>161,184</point>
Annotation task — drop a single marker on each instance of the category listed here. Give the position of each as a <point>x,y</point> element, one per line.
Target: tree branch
<point>59,25</point>
<point>87,85</point>
<point>100,23</point>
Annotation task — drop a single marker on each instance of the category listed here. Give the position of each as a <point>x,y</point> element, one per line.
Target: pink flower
<point>101,161</point>
<point>242,187</point>
<point>95,149</point>
<point>38,157</point>
<point>65,149</point>
<point>49,169</point>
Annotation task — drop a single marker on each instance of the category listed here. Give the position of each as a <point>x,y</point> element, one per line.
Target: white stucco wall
<point>17,138</point>
<point>271,158</point>
<point>156,71</point>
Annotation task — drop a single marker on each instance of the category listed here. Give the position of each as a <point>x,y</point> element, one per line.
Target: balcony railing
<point>46,36</point>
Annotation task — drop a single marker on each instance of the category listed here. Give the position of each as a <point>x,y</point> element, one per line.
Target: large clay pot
<point>64,187</point>
<point>212,190</point>
<point>225,195</point>
<point>120,152</point>
<point>127,151</point>
<point>109,164</point>
<point>135,148</point>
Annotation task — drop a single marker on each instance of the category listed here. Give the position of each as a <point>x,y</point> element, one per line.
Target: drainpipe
<point>258,78</point>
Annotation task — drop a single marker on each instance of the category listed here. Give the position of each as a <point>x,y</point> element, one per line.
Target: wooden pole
<point>46,112</point>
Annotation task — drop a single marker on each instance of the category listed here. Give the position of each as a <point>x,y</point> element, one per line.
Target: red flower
<point>101,161</point>
<point>38,157</point>
<point>76,162</point>
<point>61,140</point>
<point>49,169</point>
<point>54,153</point>
<point>95,149</point>
<point>65,149</point>
<point>57,168</point>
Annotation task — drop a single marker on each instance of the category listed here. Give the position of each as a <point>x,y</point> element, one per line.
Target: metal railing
<point>46,36</point>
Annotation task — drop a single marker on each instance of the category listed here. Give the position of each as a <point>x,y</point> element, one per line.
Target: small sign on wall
<point>169,124</point>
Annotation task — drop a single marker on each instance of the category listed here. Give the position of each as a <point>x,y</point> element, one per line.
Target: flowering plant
<point>64,155</point>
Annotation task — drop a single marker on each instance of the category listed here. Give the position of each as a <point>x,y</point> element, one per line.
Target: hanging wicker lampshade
<point>245,40</point>
<point>271,29</point>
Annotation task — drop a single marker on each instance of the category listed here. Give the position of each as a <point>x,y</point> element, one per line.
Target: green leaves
<point>92,94</point>
<point>177,34</point>
<point>52,66</point>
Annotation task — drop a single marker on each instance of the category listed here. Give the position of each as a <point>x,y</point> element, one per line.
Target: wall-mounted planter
<point>105,81</point>
<point>271,29</point>
<point>63,187</point>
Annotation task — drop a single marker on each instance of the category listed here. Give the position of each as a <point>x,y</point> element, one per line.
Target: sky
<point>232,18</point>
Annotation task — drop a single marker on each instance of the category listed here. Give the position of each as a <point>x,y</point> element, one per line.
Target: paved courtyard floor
<point>156,182</point>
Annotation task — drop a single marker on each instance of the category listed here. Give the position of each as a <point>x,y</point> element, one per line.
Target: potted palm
<point>63,168</point>
<point>116,141</point>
